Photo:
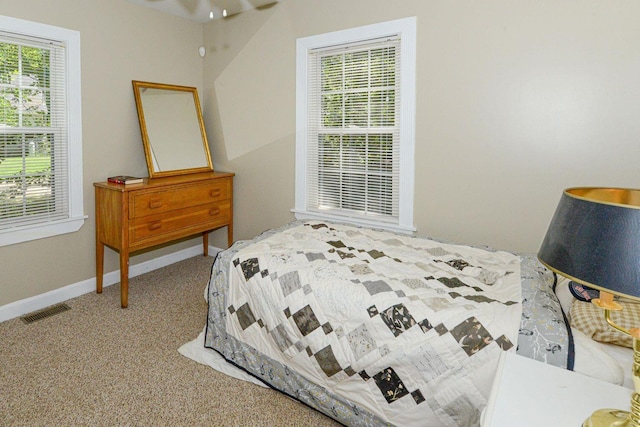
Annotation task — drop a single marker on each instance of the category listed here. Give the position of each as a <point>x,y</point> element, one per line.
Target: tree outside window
<point>25,144</point>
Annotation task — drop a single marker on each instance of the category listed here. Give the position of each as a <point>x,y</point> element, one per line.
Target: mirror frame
<point>147,144</point>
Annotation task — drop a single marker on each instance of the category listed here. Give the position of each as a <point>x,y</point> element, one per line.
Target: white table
<point>531,393</point>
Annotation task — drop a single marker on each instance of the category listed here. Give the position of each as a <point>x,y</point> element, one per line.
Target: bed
<point>375,328</point>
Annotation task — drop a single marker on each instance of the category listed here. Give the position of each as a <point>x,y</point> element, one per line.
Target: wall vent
<point>44,313</point>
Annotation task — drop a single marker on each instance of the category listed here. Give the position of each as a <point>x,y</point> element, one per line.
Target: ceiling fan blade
<point>237,6</point>
<point>257,4</point>
<point>204,10</point>
<point>189,5</point>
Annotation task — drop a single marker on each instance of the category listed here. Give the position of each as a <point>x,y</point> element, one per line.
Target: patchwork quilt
<point>369,327</point>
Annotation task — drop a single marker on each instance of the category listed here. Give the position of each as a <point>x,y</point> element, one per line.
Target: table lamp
<point>594,240</point>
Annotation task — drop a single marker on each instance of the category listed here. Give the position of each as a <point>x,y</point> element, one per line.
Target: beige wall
<point>516,100</point>
<point>120,42</point>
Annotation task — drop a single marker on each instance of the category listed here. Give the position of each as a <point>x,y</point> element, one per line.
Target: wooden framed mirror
<point>173,134</point>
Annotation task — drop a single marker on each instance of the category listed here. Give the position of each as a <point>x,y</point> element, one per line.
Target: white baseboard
<point>28,305</point>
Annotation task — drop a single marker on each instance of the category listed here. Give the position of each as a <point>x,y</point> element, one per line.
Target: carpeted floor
<point>100,365</point>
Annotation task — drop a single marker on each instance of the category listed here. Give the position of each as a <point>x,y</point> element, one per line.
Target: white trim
<point>40,231</point>
<point>28,305</point>
<point>71,39</point>
<point>407,122</point>
<point>406,27</point>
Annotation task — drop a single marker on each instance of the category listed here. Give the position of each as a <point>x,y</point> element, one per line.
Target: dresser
<point>160,210</point>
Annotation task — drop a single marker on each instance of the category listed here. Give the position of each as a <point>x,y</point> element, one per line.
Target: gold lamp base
<point>616,417</point>
<point>609,418</point>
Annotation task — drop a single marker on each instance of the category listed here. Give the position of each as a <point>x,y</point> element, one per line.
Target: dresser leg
<point>205,243</point>
<point>230,234</point>
<point>124,279</point>
<point>99,266</point>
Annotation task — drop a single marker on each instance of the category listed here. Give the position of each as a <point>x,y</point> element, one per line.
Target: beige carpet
<point>100,365</point>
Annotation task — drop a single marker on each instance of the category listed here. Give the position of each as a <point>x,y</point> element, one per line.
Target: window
<point>40,131</point>
<point>355,121</point>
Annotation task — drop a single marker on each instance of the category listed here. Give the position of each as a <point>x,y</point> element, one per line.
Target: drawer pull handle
<point>216,192</point>
<point>214,211</point>
<point>154,204</point>
<point>155,225</point>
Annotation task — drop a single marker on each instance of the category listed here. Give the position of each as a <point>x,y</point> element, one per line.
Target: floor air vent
<point>44,313</point>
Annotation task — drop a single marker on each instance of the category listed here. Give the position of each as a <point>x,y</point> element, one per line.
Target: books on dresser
<point>125,179</point>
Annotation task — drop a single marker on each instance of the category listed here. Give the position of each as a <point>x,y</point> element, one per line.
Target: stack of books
<point>125,179</point>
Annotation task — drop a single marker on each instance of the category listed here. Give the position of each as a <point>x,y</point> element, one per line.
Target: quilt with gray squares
<point>394,329</point>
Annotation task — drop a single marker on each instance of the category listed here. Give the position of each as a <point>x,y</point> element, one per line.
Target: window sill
<point>33,232</point>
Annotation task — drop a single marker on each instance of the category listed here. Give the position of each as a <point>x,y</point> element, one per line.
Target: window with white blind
<point>40,131</point>
<point>355,121</point>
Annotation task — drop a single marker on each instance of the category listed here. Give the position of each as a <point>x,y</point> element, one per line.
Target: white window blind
<point>33,154</point>
<point>353,140</point>
<point>40,145</point>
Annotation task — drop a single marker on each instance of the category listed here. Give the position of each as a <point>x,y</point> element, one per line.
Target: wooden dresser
<point>160,210</point>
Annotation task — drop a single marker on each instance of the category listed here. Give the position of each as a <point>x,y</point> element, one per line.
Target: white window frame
<point>406,29</point>
<point>75,220</point>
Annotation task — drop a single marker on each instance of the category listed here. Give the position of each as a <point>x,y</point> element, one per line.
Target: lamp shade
<point>594,239</point>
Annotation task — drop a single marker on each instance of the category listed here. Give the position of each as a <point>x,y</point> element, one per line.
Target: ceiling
<point>199,10</point>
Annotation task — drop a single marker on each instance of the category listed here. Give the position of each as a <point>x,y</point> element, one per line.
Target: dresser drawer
<point>184,221</point>
<point>153,202</point>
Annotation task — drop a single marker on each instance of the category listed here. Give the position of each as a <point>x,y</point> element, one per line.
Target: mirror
<point>173,134</point>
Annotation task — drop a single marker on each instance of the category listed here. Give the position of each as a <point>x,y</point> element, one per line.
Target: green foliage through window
<point>355,145</point>
<point>26,184</point>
